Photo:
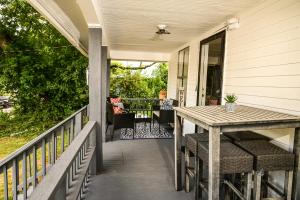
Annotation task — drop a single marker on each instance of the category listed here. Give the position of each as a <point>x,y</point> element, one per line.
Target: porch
<point>261,66</point>
<point>137,169</point>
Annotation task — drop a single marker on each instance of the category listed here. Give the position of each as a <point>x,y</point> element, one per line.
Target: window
<point>182,73</point>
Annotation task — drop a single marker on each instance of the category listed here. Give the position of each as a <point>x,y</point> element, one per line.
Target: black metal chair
<point>118,121</point>
<point>164,116</point>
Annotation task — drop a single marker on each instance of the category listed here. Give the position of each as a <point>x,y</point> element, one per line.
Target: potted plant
<point>213,100</point>
<point>230,104</point>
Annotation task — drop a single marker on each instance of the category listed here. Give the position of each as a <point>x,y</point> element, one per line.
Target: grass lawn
<point>29,129</point>
<point>7,146</point>
<point>10,144</point>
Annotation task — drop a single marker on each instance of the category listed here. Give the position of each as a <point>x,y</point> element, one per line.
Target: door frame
<point>222,35</point>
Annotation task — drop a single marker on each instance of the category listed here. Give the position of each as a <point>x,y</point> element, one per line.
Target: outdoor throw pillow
<point>167,104</point>
<point>115,100</point>
<point>117,110</point>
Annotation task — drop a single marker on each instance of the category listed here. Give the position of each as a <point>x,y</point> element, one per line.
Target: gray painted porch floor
<point>137,170</point>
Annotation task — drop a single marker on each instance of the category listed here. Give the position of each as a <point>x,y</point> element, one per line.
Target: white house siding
<point>262,62</point>
<point>263,57</point>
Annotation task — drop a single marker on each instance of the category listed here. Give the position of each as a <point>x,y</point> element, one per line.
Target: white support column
<point>95,76</point>
<point>103,89</point>
<point>108,77</point>
<point>78,123</point>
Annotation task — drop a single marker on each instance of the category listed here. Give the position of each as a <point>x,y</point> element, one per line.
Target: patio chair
<point>164,116</point>
<point>118,121</point>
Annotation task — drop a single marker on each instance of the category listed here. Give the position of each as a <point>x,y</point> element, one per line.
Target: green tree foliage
<point>133,84</point>
<point>159,79</point>
<point>40,69</point>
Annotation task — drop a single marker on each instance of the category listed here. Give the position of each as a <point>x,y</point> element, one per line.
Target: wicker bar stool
<point>269,157</point>
<point>190,150</point>
<point>230,161</point>
<point>244,136</point>
<point>233,160</point>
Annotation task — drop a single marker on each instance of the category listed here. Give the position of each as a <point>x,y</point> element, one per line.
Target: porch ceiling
<point>130,24</point>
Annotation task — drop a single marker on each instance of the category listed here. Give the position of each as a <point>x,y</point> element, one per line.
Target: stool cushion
<point>232,158</point>
<point>267,156</point>
<point>245,135</point>
<point>191,140</point>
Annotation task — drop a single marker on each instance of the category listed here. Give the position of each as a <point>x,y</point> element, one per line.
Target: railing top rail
<point>58,171</point>
<point>38,139</point>
<point>156,99</point>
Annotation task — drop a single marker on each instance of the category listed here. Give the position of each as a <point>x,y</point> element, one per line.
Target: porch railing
<point>24,169</point>
<point>141,106</point>
<point>69,177</point>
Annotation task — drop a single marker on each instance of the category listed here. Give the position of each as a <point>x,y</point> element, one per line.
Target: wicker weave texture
<point>232,158</point>
<point>268,157</point>
<point>194,138</point>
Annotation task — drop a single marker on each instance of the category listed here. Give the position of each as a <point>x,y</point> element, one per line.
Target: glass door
<point>211,70</point>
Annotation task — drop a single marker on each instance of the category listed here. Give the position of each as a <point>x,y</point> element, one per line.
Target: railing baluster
<point>44,165</point>
<point>69,136</point>
<point>49,151</point>
<point>62,139</point>
<point>15,178</point>
<point>5,182</point>
<point>68,181</point>
<point>75,166</point>
<point>77,159</point>
<point>24,174</point>
<point>53,157</point>
<point>72,129</point>
<point>80,156</point>
<point>73,169</point>
<point>29,162</point>
<point>34,167</point>
<point>69,177</point>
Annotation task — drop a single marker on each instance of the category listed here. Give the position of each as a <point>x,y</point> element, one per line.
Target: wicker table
<point>216,120</point>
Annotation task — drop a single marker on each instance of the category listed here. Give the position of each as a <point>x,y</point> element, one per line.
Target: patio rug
<point>142,131</point>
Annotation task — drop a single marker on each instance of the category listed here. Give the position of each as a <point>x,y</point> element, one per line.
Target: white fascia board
<point>56,16</point>
<point>139,55</point>
<point>97,7</point>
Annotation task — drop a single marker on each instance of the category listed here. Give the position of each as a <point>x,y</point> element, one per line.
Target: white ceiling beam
<point>93,16</point>
<point>139,56</point>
